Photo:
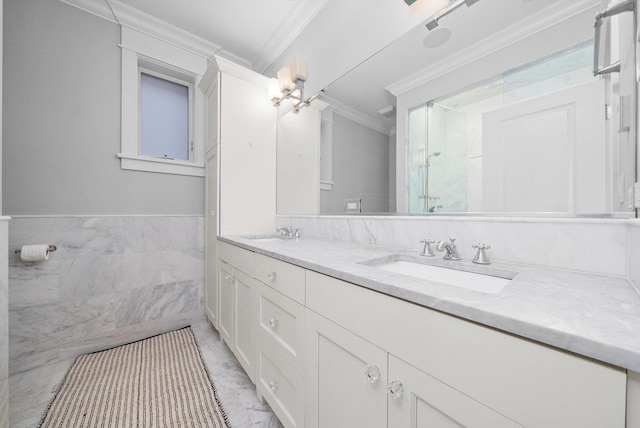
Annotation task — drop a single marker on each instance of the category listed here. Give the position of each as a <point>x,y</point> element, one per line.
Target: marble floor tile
<point>32,390</point>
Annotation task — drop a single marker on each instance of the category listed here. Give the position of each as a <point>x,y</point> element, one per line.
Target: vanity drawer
<point>281,325</point>
<point>237,257</point>
<point>284,277</point>
<point>280,386</point>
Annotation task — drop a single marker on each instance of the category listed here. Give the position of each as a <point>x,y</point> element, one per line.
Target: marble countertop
<point>596,316</point>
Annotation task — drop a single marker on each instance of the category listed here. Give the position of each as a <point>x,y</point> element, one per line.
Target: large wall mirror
<point>495,111</point>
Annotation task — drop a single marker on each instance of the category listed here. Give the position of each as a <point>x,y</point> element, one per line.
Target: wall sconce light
<point>290,84</point>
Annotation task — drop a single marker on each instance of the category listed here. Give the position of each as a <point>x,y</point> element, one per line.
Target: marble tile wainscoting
<point>4,328</point>
<point>112,280</point>
<point>634,253</point>
<point>601,246</point>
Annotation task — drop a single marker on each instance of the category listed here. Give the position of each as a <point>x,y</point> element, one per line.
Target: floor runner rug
<point>157,382</point>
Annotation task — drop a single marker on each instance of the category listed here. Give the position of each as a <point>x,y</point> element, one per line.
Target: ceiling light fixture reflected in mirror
<point>437,37</point>
<point>432,23</point>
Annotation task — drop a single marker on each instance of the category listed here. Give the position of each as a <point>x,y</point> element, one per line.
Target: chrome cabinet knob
<point>273,385</point>
<point>395,389</point>
<point>372,373</point>
<point>273,322</point>
<point>271,276</point>
<point>228,278</point>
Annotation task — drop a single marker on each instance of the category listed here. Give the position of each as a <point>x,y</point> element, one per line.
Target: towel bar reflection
<point>50,249</point>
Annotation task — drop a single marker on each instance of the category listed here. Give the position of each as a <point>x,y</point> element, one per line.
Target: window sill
<point>164,166</point>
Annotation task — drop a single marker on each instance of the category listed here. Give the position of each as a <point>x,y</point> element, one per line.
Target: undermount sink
<point>490,281</point>
<point>265,238</point>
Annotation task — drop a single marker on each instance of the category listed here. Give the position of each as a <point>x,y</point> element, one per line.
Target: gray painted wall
<point>61,116</point>
<point>360,168</point>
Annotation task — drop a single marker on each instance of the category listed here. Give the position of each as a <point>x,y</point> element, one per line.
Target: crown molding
<point>126,16</point>
<point>296,21</point>
<point>355,115</point>
<point>514,33</point>
<point>229,67</point>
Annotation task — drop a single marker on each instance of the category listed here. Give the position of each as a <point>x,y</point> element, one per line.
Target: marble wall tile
<point>162,301</point>
<point>33,283</point>
<point>634,253</point>
<point>93,275</point>
<point>588,245</point>
<point>157,233</point>
<point>112,280</point>
<point>181,265</point>
<point>73,236</point>
<point>4,324</point>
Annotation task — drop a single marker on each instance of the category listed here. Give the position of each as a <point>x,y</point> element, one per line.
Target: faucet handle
<point>481,257</point>
<point>427,251</point>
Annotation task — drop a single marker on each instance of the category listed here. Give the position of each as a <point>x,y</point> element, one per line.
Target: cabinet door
<point>422,401</point>
<point>247,156</point>
<point>244,327</point>
<point>227,302</point>
<point>345,378</point>
<point>211,224</point>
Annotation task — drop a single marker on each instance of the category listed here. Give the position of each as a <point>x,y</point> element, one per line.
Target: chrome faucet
<point>289,232</point>
<point>481,257</point>
<point>284,231</point>
<point>451,252</point>
<point>426,250</point>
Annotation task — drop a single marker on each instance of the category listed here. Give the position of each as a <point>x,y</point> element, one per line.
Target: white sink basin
<point>492,282</point>
<point>265,238</point>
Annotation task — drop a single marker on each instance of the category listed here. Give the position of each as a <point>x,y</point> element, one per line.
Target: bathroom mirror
<point>494,111</point>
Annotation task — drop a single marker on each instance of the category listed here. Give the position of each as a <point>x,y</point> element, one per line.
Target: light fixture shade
<point>284,80</point>
<point>274,90</point>
<point>299,68</point>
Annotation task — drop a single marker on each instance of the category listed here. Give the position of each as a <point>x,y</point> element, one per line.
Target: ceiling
<point>367,88</point>
<point>258,31</point>
<point>254,30</point>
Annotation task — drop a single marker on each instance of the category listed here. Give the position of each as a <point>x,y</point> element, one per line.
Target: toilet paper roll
<point>34,253</point>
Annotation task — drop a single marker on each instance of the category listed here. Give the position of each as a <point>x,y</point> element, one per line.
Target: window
<point>162,112</point>
<point>165,123</point>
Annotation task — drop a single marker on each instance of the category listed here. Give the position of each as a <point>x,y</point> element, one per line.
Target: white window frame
<point>142,52</point>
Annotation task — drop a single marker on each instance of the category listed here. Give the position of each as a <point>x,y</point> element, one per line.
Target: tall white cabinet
<point>240,162</point>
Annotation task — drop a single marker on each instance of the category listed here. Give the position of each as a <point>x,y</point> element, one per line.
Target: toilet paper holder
<point>50,249</point>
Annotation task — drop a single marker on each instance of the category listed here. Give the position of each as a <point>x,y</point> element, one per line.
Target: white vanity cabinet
<point>240,158</point>
<point>346,377</point>
<point>281,338</point>
<point>451,368</point>
<point>353,383</point>
<point>328,353</point>
<point>226,292</point>
<point>416,399</point>
<point>236,322</point>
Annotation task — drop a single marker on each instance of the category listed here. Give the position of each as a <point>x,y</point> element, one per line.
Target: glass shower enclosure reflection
<point>437,164</point>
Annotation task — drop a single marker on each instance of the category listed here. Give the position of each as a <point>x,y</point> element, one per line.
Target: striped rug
<point>157,382</point>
